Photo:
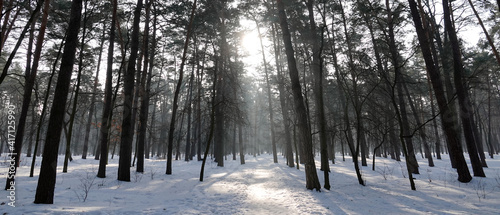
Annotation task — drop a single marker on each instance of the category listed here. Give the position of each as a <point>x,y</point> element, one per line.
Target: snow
<point>257,187</point>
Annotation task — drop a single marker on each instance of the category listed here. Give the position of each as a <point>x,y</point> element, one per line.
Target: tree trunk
<point>423,136</point>
<point>189,156</point>
<point>240,144</point>
<point>177,91</point>
<point>47,179</point>
<point>312,181</point>
<point>128,84</point>
<point>145,90</point>
<point>317,70</point>
<point>30,77</point>
<point>283,97</point>
<point>77,92</point>
<point>448,125</point>
<point>33,15</point>
<point>36,152</point>
<point>107,104</point>
<point>434,124</point>
<point>92,99</point>
<point>466,109</point>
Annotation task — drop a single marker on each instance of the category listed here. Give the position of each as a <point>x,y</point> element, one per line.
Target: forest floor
<point>258,187</point>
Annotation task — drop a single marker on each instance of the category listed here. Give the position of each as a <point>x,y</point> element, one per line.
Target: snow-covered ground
<point>258,187</point>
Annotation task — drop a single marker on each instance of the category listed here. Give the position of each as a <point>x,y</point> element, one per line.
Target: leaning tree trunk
<point>312,181</point>
<point>269,95</point>
<point>448,125</point>
<point>34,14</point>
<point>28,87</point>
<point>44,108</point>
<point>47,179</point>
<point>466,111</point>
<point>422,133</point>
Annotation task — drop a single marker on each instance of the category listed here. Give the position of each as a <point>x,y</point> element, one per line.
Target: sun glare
<point>251,42</point>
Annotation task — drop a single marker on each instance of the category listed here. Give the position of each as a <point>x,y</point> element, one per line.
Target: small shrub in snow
<point>385,171</point>
<point>480,189</point>
<point>86,183</point>
<point>138,177</point>
<point>152,173</point>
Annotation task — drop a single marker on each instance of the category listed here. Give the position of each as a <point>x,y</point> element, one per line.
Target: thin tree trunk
<point>30,77</point>
<point>434,124</point>
<point>177,91</point>
<point>33,15</point>
<point>283,97</point>
<point>189,156</point>
<point>92,99</point>
<point>356,104</point>
<point>240,144</point>
<point>108,103</point>
<point>44,108</point>
<point>488,37</point>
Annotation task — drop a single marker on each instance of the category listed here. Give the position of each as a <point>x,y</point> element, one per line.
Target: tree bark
<point>92,99</point>
<point>269,95</point>
<point>312,181</point>
<point>448,125</point>
<point>107,104</point>
<point>34,14</point>
<point>283,97</point>
<point>177,91</point>
<point>145,90</point>
<point>47,179</point>
<point>128,84</point>
<point>466,109</point>
<point>76,93</point>
<point>317,70</point>
<point>44,108</point>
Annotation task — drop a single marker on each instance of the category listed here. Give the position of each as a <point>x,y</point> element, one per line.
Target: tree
<point>433,72</point>
<point>145,89</point>
<point>34,14</point>
<point>466,113</point>
<point>93,97</point>
<point>317,70</point>
<point>128,84</point>
<point>269,97</point>
<point>30,77</point>
<point>312,181</point>
<point>177,91</point>
<point>107,103</point>
<point>47,179</point>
